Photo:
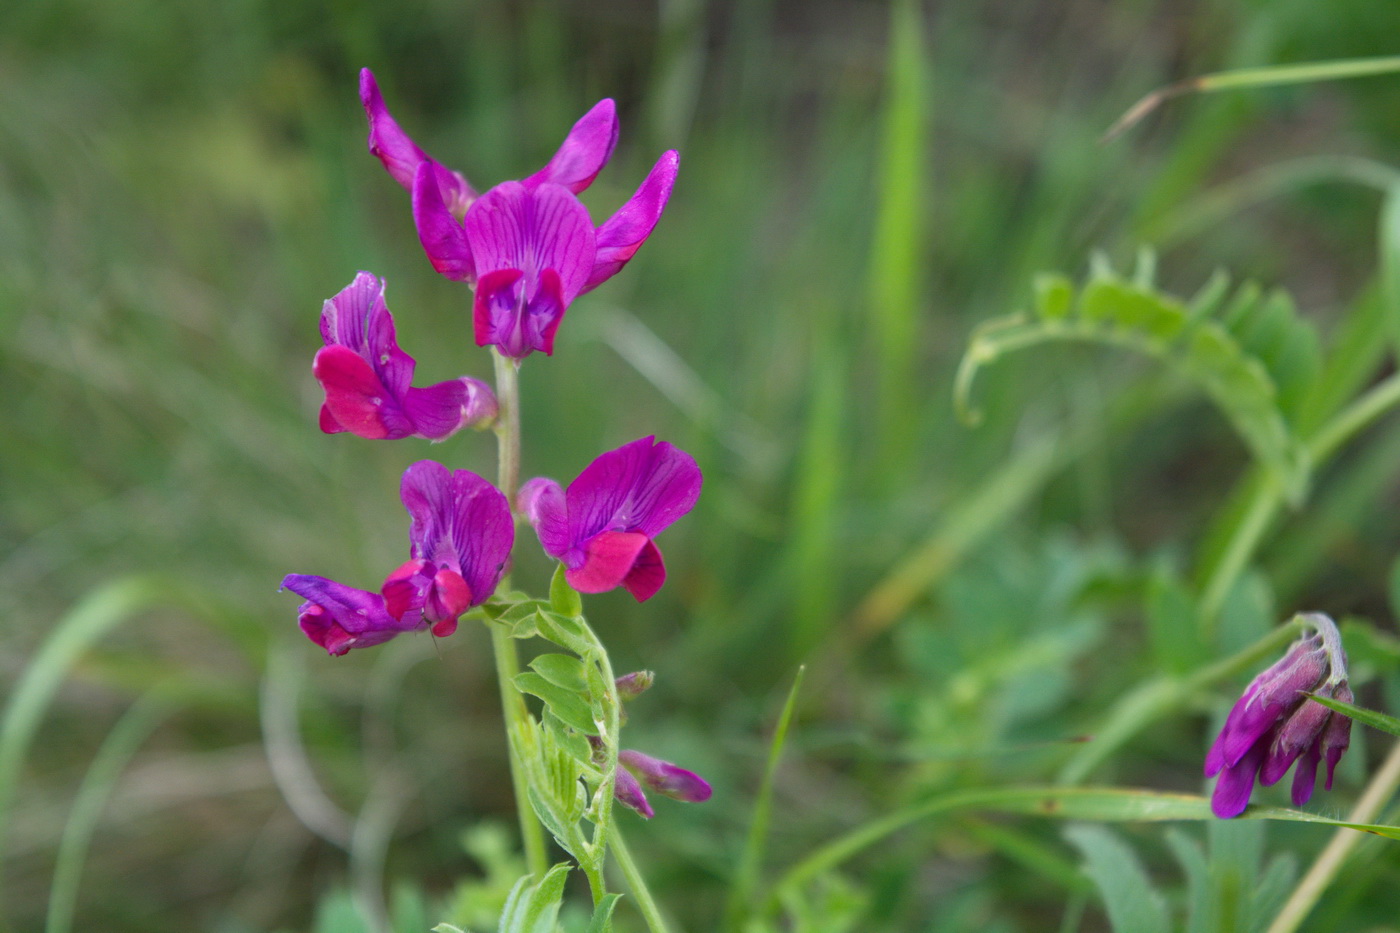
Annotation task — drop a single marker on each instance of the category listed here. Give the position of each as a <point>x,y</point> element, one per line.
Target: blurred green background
<point>182,184</point>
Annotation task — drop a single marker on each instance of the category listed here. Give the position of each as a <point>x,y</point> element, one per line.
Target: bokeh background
<point>182,184</point>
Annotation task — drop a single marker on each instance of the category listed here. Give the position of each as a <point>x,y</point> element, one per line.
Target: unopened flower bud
<point>628,792</point>
<point>630,686</point>
<point>665,778</point>
<point>1275,723</point>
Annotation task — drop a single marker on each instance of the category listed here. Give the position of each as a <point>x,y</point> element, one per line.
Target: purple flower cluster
<point>527,248</point>
<point>1275,723</point>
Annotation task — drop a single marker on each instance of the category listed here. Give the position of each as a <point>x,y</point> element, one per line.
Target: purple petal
<point>584,152</point>
<point>1336,735</point>
<point>647,575</point>
<point>641,487</point>
<point>608,558</point>
<point>541,500</point>
<point>664,778</point>
<point>516,324</point>
<point>357,317</point>
<point>355,398</point>
<point>513,227</point>
<point>624,232</point>
<point>627,791</point>
<point>1300,731</point>
<point>440,231</point>
<point>439,410</point>
<point>401,156</point>
<point>1236,783</point>
<point>459,521</point>
<point>1305,776</point>
<point>1270,696</point>
<point>339,617</point>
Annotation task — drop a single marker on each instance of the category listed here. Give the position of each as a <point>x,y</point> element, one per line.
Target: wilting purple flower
<point>602,528</point>
<point>367,377</point>
<point>529,246</point>
<point>1275,724</point>
<point>460,536</point>
<point>661,777</point>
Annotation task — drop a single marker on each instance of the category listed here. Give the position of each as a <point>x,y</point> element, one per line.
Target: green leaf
<point>1133,905</point>
<point>573,743</point>
<point>565,631</point>
<point>1367,717</point>
<point>569,707</point>
<point>602,914</point>
<point>562,670</point>
<point>1256,362</point>
<point>535,908</point>
<point>563,599</point>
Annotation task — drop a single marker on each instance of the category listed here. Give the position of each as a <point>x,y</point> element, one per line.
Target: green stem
<point>1267,495</point>
<point>502,644</point>
<point>636,882</point>
<point>604,829</point>
<point>1329,861</point>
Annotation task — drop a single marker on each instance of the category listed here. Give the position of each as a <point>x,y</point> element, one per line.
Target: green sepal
<point>563,598</point>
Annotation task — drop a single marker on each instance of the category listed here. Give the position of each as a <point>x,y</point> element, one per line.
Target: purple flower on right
<point>602,528</point>
<point>1275,724</point>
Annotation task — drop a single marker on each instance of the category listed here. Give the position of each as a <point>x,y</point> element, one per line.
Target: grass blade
<point>750,863</point>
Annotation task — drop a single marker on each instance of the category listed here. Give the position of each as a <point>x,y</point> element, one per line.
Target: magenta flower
<point>603,528</point>
<point>661,777</point>
<point>460,536</point>
<point>1274,724</point>
<point>529,246</point>
<point>366,376</point>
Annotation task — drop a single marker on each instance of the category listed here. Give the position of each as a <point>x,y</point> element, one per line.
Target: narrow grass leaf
<point>101,779</point>
<point>751,862</point>
<point>1367,717</point>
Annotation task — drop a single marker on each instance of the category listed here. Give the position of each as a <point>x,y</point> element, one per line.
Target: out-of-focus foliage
<point>182,184</point>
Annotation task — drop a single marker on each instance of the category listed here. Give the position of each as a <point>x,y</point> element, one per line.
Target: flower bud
<point>665,778</point>
<point>630,686</point>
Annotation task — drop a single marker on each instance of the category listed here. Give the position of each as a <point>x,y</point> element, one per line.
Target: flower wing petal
<point>439,231</point>
<point>608,559</point>
<point>439,410</point>
<point>584,151</point>
<point>401,156</point>
<point>624,232</point>
<point>339,617</point>
<point>647,575</point>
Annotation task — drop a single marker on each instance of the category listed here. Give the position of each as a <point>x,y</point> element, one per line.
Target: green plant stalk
<point>604,796</point>
<point>1268,493</point>
<point>1380,789</point>
<point>502,645</point>
<point>645,904</point>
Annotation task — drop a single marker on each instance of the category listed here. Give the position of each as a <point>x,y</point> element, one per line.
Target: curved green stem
<point>1267,494</point>
<point>502,645</point>
<point>636,882</point>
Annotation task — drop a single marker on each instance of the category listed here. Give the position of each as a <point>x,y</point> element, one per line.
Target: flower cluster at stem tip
<point>1275,723</point>
<point>527,249</point>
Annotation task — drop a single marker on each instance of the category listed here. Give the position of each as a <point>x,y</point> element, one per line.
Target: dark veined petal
<point>624,232</point>
<point>541,501</point>
<point>514,227</point>
<point>401,156</point>
<point>461,522</point>
<point>357,317</point>
<point>584,151</point>
<point>440,231</point>
<point>339,617</point>
<point>643,486</point>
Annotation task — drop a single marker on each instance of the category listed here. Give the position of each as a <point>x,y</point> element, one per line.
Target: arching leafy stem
<point>1248,350</point>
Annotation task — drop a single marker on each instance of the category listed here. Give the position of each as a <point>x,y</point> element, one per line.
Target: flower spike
<point>602,528</point>
<point>366,377</point>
